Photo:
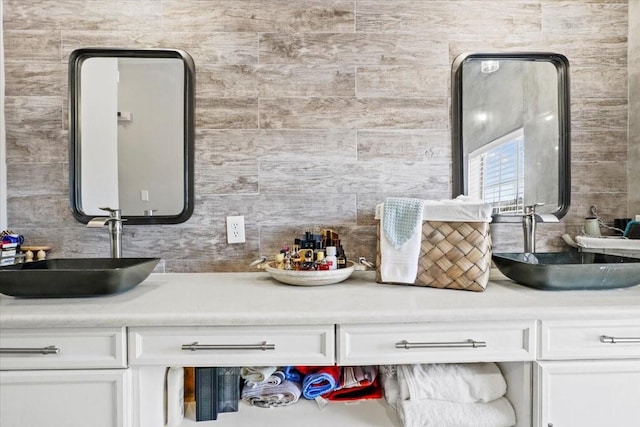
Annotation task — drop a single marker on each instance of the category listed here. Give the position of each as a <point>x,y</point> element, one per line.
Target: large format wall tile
<point>311,112</point>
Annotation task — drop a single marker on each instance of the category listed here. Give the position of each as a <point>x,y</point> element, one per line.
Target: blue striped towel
<point>401,218</point>
<point>318,383</point>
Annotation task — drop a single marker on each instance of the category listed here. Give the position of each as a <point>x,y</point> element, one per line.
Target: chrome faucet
<point>529,222</point>
<point>115,229</point>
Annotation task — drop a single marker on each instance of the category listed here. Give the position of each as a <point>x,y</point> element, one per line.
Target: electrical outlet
<point>235,229</point>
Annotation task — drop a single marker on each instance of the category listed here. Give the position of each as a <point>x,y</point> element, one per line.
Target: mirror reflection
<point>132,134</point>
<point>511,131</point>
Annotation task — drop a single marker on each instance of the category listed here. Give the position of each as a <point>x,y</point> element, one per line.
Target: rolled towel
<point>256,374</point>
<point>456,382</point>
<point>267,395</point>
<point>441,413</point>
<point>319,380</point>
<point>292,374</point>
<point>274,379</point>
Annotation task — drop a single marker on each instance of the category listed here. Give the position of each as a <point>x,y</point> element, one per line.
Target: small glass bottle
<point>340,255</point>
<point>321,263</point>
<point>331,257</point>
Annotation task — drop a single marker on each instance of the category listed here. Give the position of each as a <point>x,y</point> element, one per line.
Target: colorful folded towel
<point>357,383</point>
<point>292,374</point>
<point>319,380</point>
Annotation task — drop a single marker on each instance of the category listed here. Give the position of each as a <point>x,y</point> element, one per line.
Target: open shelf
<point>369,413</point>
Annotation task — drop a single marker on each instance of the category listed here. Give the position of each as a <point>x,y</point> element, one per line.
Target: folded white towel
<point>400,265</point>
<point>440,413</point>
<point>267,395</point>
<point>400,239</point>
<point>257,374</point>
<point>455,382</point>
<point>608,243</point>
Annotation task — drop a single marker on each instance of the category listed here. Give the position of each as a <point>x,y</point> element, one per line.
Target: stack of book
<point>9,247</point>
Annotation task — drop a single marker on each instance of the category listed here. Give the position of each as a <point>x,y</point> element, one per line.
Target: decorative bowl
<point>310,278</point>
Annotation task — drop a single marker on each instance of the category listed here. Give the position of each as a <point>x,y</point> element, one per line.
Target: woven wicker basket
<point>453,255</point>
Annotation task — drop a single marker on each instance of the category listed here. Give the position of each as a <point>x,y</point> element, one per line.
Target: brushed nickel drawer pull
<point>262,346</point>
<point>456,344</point>
<point>616,340</point>
<point>52,349</point>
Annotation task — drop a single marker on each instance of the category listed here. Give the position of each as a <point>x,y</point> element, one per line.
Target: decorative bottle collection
<point>317,251</point>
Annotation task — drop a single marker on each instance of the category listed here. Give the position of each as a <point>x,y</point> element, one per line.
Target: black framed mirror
<point>131,132</point>
<point>511,131</point>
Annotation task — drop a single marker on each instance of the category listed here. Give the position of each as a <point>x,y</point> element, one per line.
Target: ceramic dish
<point>310,278</point>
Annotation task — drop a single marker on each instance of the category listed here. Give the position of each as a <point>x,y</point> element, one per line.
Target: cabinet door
<point>80,398</point>
<point>587,393</point>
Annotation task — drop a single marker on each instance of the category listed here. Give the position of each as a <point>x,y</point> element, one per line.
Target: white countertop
<point>198,299</point>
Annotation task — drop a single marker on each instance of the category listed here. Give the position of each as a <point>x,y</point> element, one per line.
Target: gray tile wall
<point>308,112</point>
<point>633,168</point>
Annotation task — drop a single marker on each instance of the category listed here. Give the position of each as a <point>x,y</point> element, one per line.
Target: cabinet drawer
<point>232,346</point>
<point>75,348</point>
<point>590,339</point>
<point>441,342</point>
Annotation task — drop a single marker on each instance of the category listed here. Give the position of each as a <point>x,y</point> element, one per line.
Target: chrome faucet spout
<point>529,222</point>
<point>114,221</point>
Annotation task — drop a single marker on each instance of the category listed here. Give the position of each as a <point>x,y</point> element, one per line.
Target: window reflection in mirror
<point>511,131</point>
<point>132,134</point>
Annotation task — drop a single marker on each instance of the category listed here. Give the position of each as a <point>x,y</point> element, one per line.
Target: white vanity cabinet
<point>153,349</point>
<point>588,374</point>
<point>64,377</point>
<point>569,359</point>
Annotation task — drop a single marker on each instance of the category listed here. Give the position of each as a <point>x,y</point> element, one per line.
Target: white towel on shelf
<point>257,374</point>
<point>441,413</point>
<point>455,382</point>
<point>267,395</point>
<point>607,243</point>
<point>401,226</point>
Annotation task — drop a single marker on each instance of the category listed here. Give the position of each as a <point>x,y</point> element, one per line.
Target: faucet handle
<point>108,209</point>
<point>113,213</point>
<point>531,209</point>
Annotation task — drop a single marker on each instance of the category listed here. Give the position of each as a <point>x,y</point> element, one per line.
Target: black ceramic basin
<point>569,270</point>
<point>74,277</point>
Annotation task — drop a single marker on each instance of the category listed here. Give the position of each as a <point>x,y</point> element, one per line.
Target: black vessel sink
<point>74,277</point>
<point>569,270</point>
